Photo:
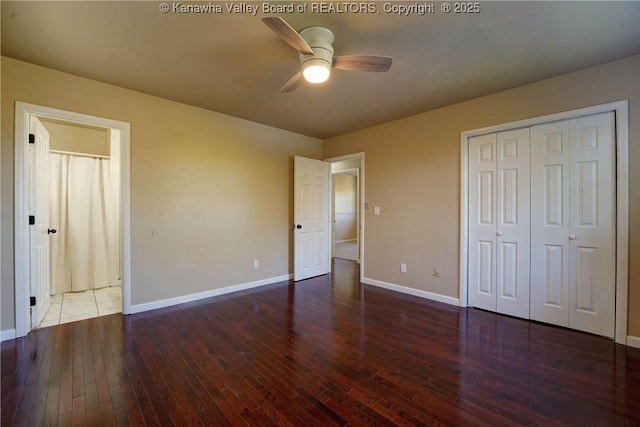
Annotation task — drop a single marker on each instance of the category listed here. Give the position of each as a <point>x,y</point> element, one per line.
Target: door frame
<point>621,110</point>
<point>22,284</point>
<point>361,205</point>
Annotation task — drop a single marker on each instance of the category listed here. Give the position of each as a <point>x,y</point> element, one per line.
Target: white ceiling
<point>232,62</point>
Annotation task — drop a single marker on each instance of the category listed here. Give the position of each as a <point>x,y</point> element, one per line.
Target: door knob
<point>499,233</point>
<point>572,237</point>
<point>51,231</point>
<point>298,226</point>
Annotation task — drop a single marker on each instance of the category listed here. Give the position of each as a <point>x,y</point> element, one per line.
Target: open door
<point>311,218</point>
<point>39,231</point>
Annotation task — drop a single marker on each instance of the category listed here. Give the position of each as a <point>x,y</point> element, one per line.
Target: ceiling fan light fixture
<point>316,70</point>
<point>315,48</point>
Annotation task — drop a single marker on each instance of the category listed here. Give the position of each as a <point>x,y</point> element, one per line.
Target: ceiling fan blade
<point>374,63</point>
<point>288,34</point>
<point>293,83</point>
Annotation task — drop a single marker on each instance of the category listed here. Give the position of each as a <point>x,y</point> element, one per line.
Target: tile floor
<point>74,306</point>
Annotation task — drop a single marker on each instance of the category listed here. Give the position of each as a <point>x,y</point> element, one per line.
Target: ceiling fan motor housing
<point>320,40</point>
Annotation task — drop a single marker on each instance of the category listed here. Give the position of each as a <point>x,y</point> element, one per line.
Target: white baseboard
<point>8,334</point>
<point>633,341</point>
<point>346,240</point>
<point>411,291</point>
<point>139,308</point>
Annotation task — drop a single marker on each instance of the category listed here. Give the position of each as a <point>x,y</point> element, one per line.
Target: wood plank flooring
<point>325,351</point>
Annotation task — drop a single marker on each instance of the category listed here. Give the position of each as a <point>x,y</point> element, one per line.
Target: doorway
<point>347,208</point>
<point>345,214</point>
<point>84,215</point>
<point>117,136</point>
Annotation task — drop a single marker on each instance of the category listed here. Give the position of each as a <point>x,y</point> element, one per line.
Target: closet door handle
<point>572,237</point>
<point>499,233</point>
<point>51,231</point>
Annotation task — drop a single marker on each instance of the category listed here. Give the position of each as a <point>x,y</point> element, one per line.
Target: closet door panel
<point>482,221</point>
<point>592,231</point>
<point>513,228</point>
<point>550,216</point>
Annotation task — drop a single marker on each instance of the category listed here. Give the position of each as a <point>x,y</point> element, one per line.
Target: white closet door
<point>550,153</point>
<point>513,230</point>
<point>592,232</point>
<point>573,224</point>
<point>482,221</point>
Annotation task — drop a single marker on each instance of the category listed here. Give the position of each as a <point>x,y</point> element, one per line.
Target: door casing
<point>621,110</point>
<point>22,280</point>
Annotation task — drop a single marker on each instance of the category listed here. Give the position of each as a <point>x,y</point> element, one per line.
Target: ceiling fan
<point>314,45</point>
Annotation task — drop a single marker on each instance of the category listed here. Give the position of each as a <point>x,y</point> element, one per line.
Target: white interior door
<point>592,229</point>
<point>513,231</point>
<point>499,222</point>
<point>311,218</point>
<point>573,224</point>
<point>482,221</point>
<point>39,232</point>
<point>550,218</point>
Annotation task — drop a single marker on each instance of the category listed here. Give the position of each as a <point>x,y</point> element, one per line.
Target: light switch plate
<point>376,210</point>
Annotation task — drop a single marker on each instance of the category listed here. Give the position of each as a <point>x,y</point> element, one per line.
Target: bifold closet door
<point>499,229</point>
<point>573,224</point>
<point>550,216</point>
<point>482,221</point>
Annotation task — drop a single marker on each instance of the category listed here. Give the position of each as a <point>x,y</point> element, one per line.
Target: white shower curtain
<point>84,209</point>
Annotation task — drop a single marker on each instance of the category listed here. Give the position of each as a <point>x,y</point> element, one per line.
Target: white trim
<point>464,221</point>
<point>139,308</point>
<point>361,215</point>
<point>21,210</point>
<point>412,291</point>
<point>633,341</point>
<point>346,241</point>
<point>622,220</point>
<point>621,109</point>
<point>9,334</point>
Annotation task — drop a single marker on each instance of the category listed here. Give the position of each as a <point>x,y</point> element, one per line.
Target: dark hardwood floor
<point>326,351</point>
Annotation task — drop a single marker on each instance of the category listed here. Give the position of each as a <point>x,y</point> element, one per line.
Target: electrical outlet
<point>437,271</point>
<point>376,210</point>
<point>403,268</point>
<point>256,263</point>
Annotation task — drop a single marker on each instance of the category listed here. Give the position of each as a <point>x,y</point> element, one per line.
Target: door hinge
<point>32,301</point>
<point>32,219</point>
<point>32,138</point>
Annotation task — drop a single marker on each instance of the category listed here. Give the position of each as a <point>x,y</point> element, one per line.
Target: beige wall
<point>345,207</point>
<point>209,192</point>
<point>413,174</point>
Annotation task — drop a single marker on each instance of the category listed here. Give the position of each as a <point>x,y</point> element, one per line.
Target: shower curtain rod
<point>73,153</point>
